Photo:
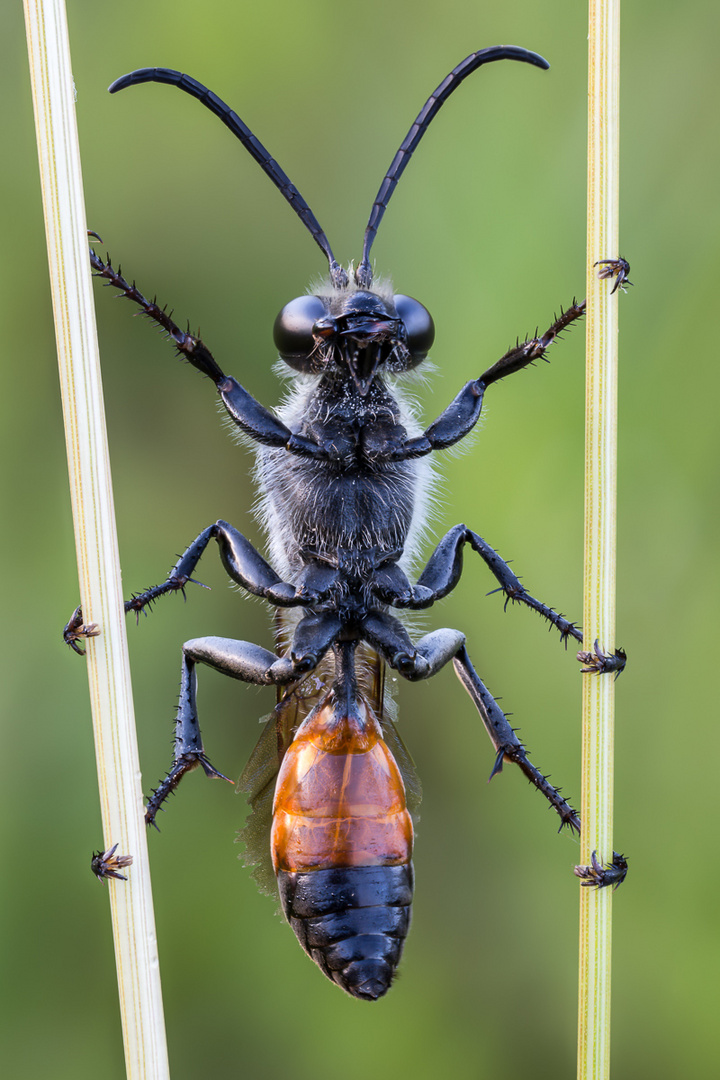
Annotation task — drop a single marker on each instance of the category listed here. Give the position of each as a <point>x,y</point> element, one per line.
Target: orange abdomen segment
<point>340,798</point>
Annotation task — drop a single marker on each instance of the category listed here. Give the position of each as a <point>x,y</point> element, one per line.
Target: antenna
<point>363,274</point>
<point>252,145</point>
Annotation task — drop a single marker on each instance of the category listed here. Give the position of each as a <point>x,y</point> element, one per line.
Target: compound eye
<point>293,330</point>
<point>419,327</point>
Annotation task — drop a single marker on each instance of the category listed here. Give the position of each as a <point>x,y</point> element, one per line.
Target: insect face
<point>354,333</point>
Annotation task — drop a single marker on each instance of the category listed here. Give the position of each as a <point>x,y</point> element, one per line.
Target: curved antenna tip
<point>120,84</point>
<point>514,52</point>
<point>429,110</point>
<point>251,143</point>
<point>540,61</point>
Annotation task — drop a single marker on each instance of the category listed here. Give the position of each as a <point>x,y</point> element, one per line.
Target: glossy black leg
<point>434,651</point>
<point>444,569</point>
<point>463,413</point>
<point>506,742</point>
<point>241,660</point>
<point>243,563</point>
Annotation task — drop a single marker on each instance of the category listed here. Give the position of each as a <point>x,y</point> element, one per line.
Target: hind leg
<point>241,660</point>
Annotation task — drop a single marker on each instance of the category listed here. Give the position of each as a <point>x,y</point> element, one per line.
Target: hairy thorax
<point>353,500</point>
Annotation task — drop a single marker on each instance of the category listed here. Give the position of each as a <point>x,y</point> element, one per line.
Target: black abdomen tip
<point>367,979</point>
<point>352,921</point>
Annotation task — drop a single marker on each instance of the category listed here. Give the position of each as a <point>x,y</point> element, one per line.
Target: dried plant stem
<point>113,721</point>
<point>600,531</point>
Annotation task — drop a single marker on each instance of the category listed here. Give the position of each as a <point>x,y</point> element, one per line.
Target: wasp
<point>343,469</point>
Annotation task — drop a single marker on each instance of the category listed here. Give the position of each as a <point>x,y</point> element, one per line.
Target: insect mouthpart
<point>363,365</point>
<point>366,343</point>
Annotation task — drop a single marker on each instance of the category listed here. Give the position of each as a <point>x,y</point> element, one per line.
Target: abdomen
<point>341,846</point>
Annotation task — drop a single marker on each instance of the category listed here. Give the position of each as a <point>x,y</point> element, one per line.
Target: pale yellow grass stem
<point>600,530</point>
<point>110,692</point>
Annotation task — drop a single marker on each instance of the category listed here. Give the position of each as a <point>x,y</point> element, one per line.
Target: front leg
<point>259,423</point>
<point>463,413</point>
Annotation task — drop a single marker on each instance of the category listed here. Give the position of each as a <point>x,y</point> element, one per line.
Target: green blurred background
<point>488,229</point>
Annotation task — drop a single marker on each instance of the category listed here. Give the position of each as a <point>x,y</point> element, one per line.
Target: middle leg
<point>443,571</point>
